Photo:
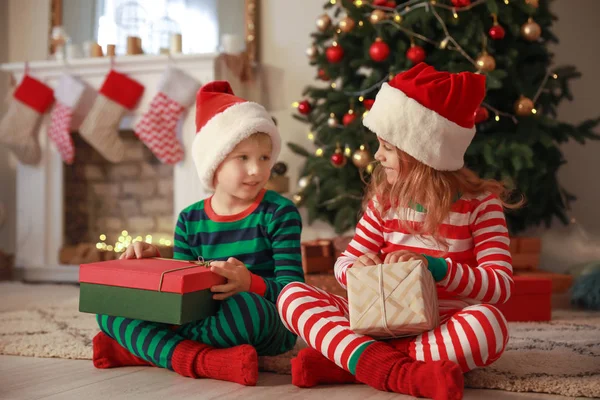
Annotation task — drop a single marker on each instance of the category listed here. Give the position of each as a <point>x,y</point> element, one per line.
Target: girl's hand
<point>140,250</point>
<point>237,274</point>
<point>366,260</point>
<point>404,255</point>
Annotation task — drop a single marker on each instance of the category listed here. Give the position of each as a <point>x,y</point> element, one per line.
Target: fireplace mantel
<point>40,197</point>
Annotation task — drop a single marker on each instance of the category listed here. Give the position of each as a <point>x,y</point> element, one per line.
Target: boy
<point>252,237</point>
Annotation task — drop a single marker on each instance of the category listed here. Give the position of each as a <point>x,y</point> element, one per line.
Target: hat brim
<point>417,130</point>
<point>224,131</point>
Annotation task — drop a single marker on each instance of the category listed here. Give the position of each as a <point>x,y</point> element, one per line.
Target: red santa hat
<point>428,114</point>
<point>222,121</point>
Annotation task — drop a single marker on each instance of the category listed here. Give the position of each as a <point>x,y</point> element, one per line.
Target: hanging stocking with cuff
<point>157,128</point>
<point>68,93</point>
<point>100,128</point>
<point>19,129</point>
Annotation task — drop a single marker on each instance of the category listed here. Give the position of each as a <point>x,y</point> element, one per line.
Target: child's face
<point>387,155</point>
<point>246,169</point>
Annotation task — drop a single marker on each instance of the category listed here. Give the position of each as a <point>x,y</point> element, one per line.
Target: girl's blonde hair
<point>436,191</point>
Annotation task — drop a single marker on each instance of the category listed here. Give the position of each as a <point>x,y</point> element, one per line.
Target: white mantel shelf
<point>88,67</point>
<point>40,188</point>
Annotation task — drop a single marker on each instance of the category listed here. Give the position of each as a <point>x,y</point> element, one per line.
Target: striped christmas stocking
<point>157,128</point>
<point>100,129</point>
<point>68,93</point>
<point>19,129</point>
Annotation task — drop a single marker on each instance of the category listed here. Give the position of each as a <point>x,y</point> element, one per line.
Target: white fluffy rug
<point>560,357</point>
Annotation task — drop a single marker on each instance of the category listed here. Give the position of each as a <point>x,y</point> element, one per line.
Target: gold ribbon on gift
<point>195,264</point>
<point>382,303</point>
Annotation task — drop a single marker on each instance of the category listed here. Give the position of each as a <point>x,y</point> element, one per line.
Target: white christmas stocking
<point>157,127</point>
<point>68,93</point>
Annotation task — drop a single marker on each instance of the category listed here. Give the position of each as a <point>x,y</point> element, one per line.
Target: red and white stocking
<point>68,93</point>
<point>157,128</point>
<point>19,129</point>
<point>100,128</point>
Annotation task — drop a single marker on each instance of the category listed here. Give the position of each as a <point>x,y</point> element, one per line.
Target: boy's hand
<point>140,250</point>
<point>366,260</point>
<point>404,255</point>
<point>237,274</point>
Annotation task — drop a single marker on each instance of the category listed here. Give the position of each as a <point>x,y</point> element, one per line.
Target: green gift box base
<point>147,305</point>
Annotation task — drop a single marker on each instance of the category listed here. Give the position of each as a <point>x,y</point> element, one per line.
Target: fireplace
<point>108,206</point>
<point>139,196</point>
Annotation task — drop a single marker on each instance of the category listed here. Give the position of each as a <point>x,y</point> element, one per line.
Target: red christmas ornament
<point>334,54</point>
<point>379,50</point>
<point>461,3</point>
<point>338,159</point>
<point>384,3</point>
<point>304,107</point>
<point>481,114</point>
<point>497,32</point>
<point>323,75</point>
<point>348,118</point>
<point>368,103</point>
<point>416,54</point>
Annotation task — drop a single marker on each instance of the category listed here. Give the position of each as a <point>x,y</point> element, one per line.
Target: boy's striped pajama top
<point>266,238</point>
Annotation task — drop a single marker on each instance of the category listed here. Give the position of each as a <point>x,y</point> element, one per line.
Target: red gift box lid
<point>146,274</point>
<point>531,285</point>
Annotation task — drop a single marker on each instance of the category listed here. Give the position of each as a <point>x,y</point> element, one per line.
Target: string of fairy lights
<point>383,14</point>
<point>124,240</point>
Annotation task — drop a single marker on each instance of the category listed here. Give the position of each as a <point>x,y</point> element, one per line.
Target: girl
<point>422,203</point>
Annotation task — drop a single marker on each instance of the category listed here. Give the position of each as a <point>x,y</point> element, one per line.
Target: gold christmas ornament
<point>312,52</point>
<point>347,24</point>
<point>303,182</point>
<point>377,16</point>
<point>323,22</point>
<point>531,31</point>
<point>297,199</point>
<point>332,121</point>
<point>485,62</point>
<point>524,106</point>
<point>361,157</point>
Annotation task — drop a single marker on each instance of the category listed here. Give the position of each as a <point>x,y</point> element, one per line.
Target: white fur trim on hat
<point>417,130</point>
<point>224,131</point>
<point>178,86</point>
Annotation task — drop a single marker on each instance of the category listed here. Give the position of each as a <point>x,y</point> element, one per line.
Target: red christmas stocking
<point>68,93</point>
<point>19,129</point>
<point>100,128</point>
<point>157,128</point>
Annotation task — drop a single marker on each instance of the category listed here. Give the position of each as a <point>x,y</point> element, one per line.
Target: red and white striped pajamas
<point>472,332</point>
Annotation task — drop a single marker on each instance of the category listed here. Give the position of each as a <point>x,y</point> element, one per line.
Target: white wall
<point>24,28</point>
<point>578,30</point>
<point>7,175</point>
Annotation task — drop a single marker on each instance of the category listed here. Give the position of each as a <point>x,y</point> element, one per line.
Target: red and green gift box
<point>150,289</point>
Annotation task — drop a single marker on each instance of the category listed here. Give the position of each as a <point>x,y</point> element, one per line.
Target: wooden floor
<point>25,378</point>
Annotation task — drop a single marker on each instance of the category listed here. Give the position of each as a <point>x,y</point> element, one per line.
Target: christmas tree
<point>361,44</point>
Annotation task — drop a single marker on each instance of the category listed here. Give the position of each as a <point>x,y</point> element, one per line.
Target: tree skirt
<point>560,357</point>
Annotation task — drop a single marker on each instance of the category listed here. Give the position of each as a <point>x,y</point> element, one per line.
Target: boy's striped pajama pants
<point>471,335</point>
<point>245,318</point>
